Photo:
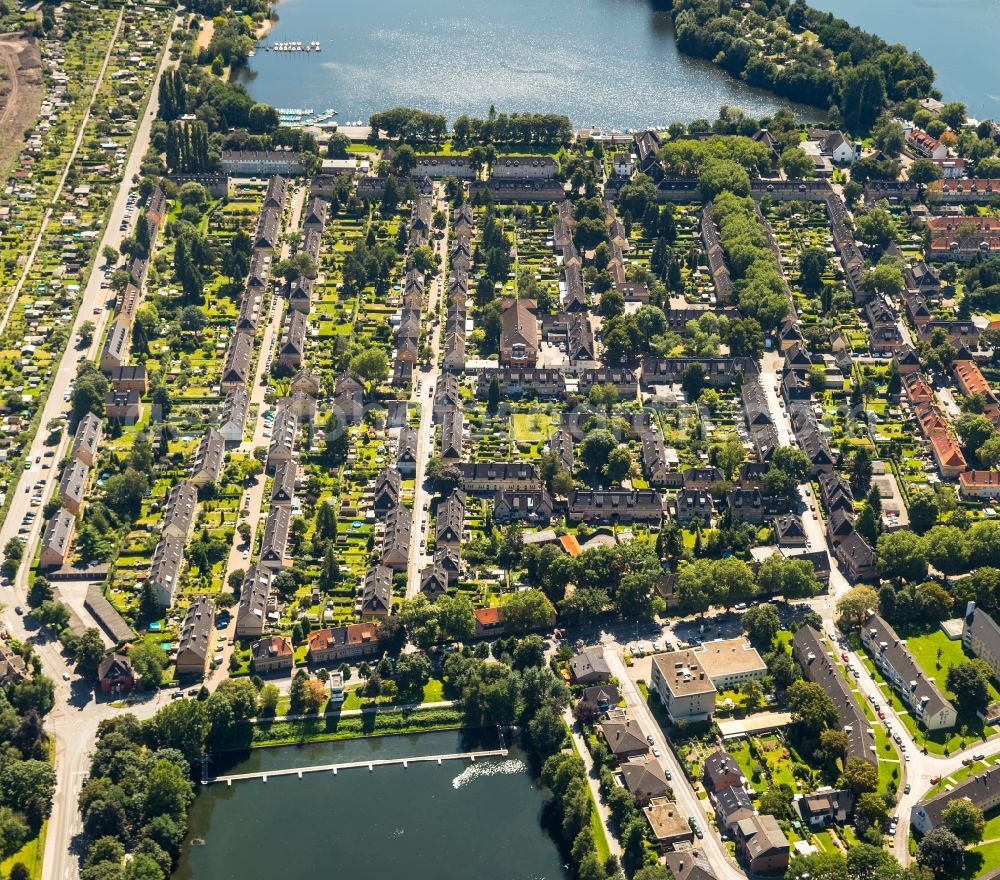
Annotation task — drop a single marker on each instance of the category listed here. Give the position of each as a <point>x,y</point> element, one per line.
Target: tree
<point>693,381</point>
<point>547,731</point>
<point>923,511</point>
<point>854,605</point>
<point>861,472</point>
<point>719,175</point>
<point>13,832</point>
<point>618,464</point>
<point>791,578</point>
<point>813,263</point>
<point>123,493</point>
<point>941,851</point>
<point>596,448</point>
<point>792,461</point>
<point>861,776</point>
<point>810,706</point>
<point>969,682</point>
<point>924,171</point>
<point>148,661</point>
<point>875,228</point>
<point>964,819</point>
<point>89,653</point>
<point>420,619</point>
<point>528,610</point>
<point>456,617</point>
<point>901,556</point>
<point>870,811</point>
<point>371,364</point>
<point>796,163</point>
<point>761,624</point>
<point>974,430</point>
<point>776,801</point>
<point>413,671</point>
<point>945,549</point>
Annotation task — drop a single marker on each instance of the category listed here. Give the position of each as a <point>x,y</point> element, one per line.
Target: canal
<point>425,821</point>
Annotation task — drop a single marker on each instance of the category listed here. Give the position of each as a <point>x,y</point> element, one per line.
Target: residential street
<point>423,396</point>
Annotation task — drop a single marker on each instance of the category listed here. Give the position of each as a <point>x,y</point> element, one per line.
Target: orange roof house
<point>570,544</point>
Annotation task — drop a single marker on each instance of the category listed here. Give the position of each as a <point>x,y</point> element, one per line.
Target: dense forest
<point>805,55</point>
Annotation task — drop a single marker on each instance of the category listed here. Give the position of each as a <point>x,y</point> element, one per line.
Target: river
<point>425,822</point>
<point>611,63</point>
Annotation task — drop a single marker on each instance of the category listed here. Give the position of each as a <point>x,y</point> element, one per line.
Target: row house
<point>116,346</point>
<point>654,459</point>
<point>376,592</point>
<point>165,569</point>
<point>488,478</point>
<point>348,398</point>
<point>255,595</point>
<point>522,381</point>
<point>819,666</point>
<point>194,646</point>
<point>276,528</point>
<point>387,492</point>
<point>450,520</point>
<point>283,433</point>
<point>609,506</point>
<point>531,506</point>
<point>238,363</point>
<point>73,486</point>
<point>291,351</point>
<point>396,538</point>
<point>897,665</point>
<point>123,407</point>
<point>452,434</point>
<point>283,483</point>
<point>621,379</point>
<point>561,443</point>
<point>300,295</point>
<point>981,636</point>
<point>857,558</point>
<point>979,486</point>
<point>179,511</point>
<point>209,458</point>
<point>751,505</point>
<point>251,312</point>
<point>519,334</point>
<point>87,440</point>
<point>344,643</point>
<point>981,790</point>
<point>718,372</point>
<point>406,451</point>
<point>268,229</point>
<point>57,539</point>
<point>447,395</point>
<point>233,417</point>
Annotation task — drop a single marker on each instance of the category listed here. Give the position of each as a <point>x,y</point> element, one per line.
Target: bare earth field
<point>21,91</point>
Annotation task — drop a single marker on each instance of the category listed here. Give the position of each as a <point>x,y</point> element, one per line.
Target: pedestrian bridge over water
<point>264,775</point>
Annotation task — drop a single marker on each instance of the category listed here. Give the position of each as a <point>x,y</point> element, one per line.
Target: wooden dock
<point>264,775</point>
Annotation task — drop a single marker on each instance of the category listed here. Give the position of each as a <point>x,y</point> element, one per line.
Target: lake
<point>611,63</point>
<point>958,37</point>
<point>425,822</point>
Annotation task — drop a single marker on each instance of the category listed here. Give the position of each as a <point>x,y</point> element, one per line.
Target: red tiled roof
<point>570,544</point>
<point>979,479</point>
<point>489,616</point>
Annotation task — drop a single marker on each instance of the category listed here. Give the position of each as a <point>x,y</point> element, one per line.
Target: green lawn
<point>981,860</point>
<point>825,842</point>
<point>925,649</point>
<point>30,855</point>
<point>530,427</point>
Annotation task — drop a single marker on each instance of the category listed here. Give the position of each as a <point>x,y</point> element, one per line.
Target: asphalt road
<point>425,382</point>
